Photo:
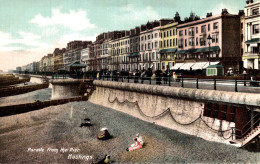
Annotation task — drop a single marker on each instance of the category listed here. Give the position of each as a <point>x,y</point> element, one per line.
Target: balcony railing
<point>252,54</point>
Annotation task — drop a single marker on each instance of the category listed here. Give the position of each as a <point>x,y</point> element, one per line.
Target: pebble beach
<point>42,136</point>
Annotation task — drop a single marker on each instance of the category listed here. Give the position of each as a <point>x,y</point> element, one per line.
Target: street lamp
<point>209,42</point>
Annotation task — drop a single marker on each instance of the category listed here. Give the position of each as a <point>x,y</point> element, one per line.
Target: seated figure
<point>86,123</point>
<point>105,135</point>
<point>137,145</point>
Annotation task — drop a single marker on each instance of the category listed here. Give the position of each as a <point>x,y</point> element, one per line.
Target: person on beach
<point>105,135</point>
<point>139,138</point>
<point>137,145</point>
<point>86,123</point>
<point>104,160</point>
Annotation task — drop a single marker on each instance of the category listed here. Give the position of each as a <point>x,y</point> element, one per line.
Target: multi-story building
<point>18,69</point>
<point>58,58</point>
<point>132,58</point>
<point>72,53</point>
<point>242,37</point>
<point>252,36</point>
<point>169,43</point>
<point>101,51</point>
<point>86,53</point>
<point>115,50</point>
<point>194,52</point>
<point>50,63</point>
<point>149,45</point>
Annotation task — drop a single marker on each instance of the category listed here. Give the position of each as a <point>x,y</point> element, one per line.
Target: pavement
<point>24,136</point>
<point>208,84</point>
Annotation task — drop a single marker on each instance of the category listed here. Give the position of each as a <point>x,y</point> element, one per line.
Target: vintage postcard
<point>129,81</point>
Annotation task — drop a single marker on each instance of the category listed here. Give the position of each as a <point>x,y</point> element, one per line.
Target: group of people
<point>138,140</point>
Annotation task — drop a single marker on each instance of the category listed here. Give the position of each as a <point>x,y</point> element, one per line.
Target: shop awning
<point>181,52</point>
<point>168,50</point>
<point>187,66</point>
<point>76,65</point>
<point>133,55</point>
<point>163,51</point>
<point>176,66</point>
<point>255,40</point>
<point>198,65</point>
<point>211,63</point>
<point>206,49</point>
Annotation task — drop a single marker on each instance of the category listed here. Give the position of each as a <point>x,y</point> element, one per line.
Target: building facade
<point>58,58</point>
<point>252,36</point>
<point>73,51</point>
<point>194,51</point>
<point>149,45</point>
<point>169,43</point>
<point>86,53</point>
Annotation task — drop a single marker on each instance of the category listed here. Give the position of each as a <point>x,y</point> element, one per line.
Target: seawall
<point>181,109</point>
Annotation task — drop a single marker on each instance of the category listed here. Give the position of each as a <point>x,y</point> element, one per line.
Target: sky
<point>30,29</point>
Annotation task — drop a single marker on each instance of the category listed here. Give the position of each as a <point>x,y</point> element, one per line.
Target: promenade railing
<point>213,84</point>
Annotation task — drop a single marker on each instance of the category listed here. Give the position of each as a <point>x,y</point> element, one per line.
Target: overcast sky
<point>29,29</point>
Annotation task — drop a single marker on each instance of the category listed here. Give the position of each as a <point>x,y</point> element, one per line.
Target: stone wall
<point>64,88</point>
<point>180,109</point>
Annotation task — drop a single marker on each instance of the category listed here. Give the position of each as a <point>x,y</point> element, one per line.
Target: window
<point>152,36</point>
<point>145,47</point>
<point>196,30</point>
<point>203,29</point>
<point>173,32</point>
<point>148,36</point>
<point>149,46</point>
<point>255,11</point>
<point>215,25</point>
<point>185,32</point>
<point>173,40</point>
<point>191,41</point>
<point>163,65</point>
<point>153,55</point>
<point>255,28</point>
<point>155,35</point>
<point>145,37</point>
<point>164,43</point>
<point>160,44</point>
<point>167,43</point>
<point>167,33</point>
<point>170,32</point>
<point>213,38</point>
<point>152,45</point>
<point>216,38</point>
<point>155,44</point>
<point>191,31</point>
<point>170,42</point>
<point>208,27</point>
<point>181,33</point>
<point>202,42</point>
<point>161,34</point>
<point>185,42</point>
<point>197,41</point>
<point>164,35</point>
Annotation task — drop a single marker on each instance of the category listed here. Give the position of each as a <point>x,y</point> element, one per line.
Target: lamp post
<point>209,42</point>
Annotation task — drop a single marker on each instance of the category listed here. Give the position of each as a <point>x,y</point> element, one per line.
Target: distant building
<point>252,35</point>
<point>18,69</point>
<point>58,58</point>
<point>72,53</point>
<point>85,56</point>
